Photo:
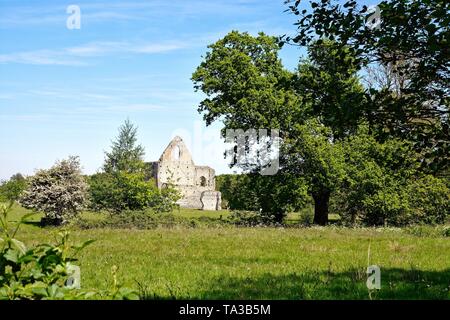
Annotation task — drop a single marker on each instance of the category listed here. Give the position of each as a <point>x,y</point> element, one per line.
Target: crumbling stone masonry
<point>196,183</point>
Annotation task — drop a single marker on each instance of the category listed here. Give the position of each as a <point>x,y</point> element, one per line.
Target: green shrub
<point>120,191</point>
<point>428,231</point>
<point>41,272</point>
<point>148,220</point>
<point>306,216</point>
<point>251,219</point>
<point>125,191</point>
<point>429,198</point>
<point>273,196</point>
<point>139,219</point>
<point>387,206</point>
<point>446,231</point>
<point>12,189</point>
<point>166,199</point>
<point>237,192</point>
<point>385,186</point>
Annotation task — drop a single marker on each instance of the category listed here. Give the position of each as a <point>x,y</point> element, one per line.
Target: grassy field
<point>227,262</point>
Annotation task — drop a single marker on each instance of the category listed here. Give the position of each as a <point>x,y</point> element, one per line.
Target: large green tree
<point>411,37</point>
<point>247,87</point>
<point>310,154</point>
<point>330,87</point>
<point>246,84</point>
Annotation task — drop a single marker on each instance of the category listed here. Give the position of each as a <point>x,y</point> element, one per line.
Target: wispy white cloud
<point>98,12</point>
<point>71,95</point>
<point>23,16</point>
<point>119,108</point>
<point>75,102</point>
<point>73,56</point>
<point>137,107</point>
<point>83,114</point>
<point>40,57</point>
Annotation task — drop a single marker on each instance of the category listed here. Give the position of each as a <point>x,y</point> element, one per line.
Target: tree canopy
<point>412,37</point>
<point>320,109</point>
<point>248,87</point>
<point>125,153</point>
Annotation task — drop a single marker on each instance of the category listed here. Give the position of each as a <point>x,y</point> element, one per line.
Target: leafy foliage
<point>430,199</point>
<point>247,87</point>
<point>121,191</point>
<point>125,155</point>
<point>124,191</point>
<point>237,192</point>
<point>41,272</point>
<point>126,182</point>
<point>12,189</point>
<point>328,83</point>
<point>147,219</point>
<point>413,38</point>
<point>246,84</point>
<point>166,199</point>
<point>270,196</point>
<point>250,219</point>
<point>383,185</point>
<point>60,192</point>
<point>311,155</point>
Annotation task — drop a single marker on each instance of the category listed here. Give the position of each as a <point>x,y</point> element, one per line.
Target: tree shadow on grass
<point>33,223</point>
<point>351,284</point>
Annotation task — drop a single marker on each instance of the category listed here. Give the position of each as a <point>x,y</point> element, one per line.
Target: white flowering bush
<point>60,192</point>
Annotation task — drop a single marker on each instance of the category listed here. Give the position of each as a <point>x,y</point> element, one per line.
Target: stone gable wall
<point>196,183</point>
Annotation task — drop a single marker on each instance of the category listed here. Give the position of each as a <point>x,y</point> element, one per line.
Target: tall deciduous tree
<point>246,84</point>
<point>311,154</point>
<point>247,87</point>
<point>415,32</point>
<point>328,83</point>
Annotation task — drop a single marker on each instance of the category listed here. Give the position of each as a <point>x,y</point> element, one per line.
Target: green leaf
<point>19,246</point>
<point>11,255</point>
<point>83,245</point>
<point>40,291</point>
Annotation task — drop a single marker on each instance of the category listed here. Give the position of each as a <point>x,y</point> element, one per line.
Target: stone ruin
<point>196,183</point>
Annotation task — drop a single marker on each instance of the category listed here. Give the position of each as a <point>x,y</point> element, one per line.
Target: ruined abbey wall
<point>196,183</point>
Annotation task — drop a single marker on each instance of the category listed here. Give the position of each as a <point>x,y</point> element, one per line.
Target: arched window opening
<point>176,153</point>
<point>202,181</point>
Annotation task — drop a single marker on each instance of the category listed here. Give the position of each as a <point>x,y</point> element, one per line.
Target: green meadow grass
<point>226,262</point>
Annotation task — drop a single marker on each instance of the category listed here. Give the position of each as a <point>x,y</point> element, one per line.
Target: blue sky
<point>65,92</point>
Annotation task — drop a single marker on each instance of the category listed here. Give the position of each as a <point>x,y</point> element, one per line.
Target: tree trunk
<point>321,200</point>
